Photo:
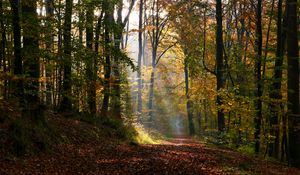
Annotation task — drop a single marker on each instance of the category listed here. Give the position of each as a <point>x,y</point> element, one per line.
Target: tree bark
<point>220,64</point>
<point>90,72</point>
<point>189,106</point>
<point>18,90</point>
<point>151,92</point>
<point>116,100</point>
<point>31,60</point>
<point>108,18</point>
<point>258,92</point>
<point>2,50</point>
<point>66,104</point>
<point>140,54</point>
<point>293,83</point>
<point>276,107</point>
<point>49,45</point>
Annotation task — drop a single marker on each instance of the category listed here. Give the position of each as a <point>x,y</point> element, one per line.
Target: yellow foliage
<point>143,137</point>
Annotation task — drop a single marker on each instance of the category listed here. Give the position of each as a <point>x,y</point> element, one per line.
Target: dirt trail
<point>175,156</point>
<point>86,152</point>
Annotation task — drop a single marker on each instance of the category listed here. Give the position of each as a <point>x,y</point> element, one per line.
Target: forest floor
<point>88,152</point>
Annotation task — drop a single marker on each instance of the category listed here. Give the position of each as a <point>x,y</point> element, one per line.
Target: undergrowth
<point>25,136</point>
<point>145,137</point>
<point>28,137</point>
<point>116,128</point>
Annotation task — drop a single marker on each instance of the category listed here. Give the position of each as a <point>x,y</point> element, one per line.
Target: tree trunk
<point>2,31</point>
<point>31,60</point>
<point>49,45</point>
<point>220,64</point>
<point>108,18</point>
<point>90,72</point>
<point>258,93</point>
<point>155,21</point>
<point>18,90</point>
<point>116,100</point>
<point>293,83</point>
<point>140,54</point>
<point>2,50</point>
<point>97,33</point>
<point>151,92</point>
<point>189,107</point>
<point>66,104</point>
<point>276,107</point>
<point>57,90</point>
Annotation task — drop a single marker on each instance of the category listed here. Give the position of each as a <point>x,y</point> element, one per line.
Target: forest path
<point>175,156</point>
<point>87,153</point>
<point>180,140</point>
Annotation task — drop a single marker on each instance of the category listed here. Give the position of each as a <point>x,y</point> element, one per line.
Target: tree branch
<point>162,54</point>
<point>207,69</point>
<point>128,14</point>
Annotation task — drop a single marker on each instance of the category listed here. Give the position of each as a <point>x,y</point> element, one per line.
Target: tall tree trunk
<point>97,41</point>
<point>154,43</point>
<point>276,108</point>
<point>97,33</point>
<point>293,83</point>
<point>31,60</point>
<point>140,54</point>
<point>151,92</point>
<point>116,63</point>
<point>2,49</point>
<point>49,45</point>
<point>2,30</point>
<point>66,104</point>
<point>284,141</point>
<point>3,37</point>
<point>108,18</point>
<point>57,90</point>
<point>189,101</point>
<point>18,90</point>
<point>258,102</point>
<point>220,64</point>
<point>145,62</point>
<point>81,21</point>
<point>90,72</point>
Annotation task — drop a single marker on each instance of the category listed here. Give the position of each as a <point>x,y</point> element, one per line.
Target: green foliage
<point>213,136</point>
<point>117,128</point>
<point>122,131</point>
<point>247,149</point>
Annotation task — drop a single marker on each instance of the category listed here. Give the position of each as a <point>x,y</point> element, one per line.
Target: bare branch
<point>128,14</point>
<point>162,54</point>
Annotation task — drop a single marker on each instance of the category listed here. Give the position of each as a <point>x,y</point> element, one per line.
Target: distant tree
<point>49,45</point>
<point>157,31</point>
<point>140,54</point>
